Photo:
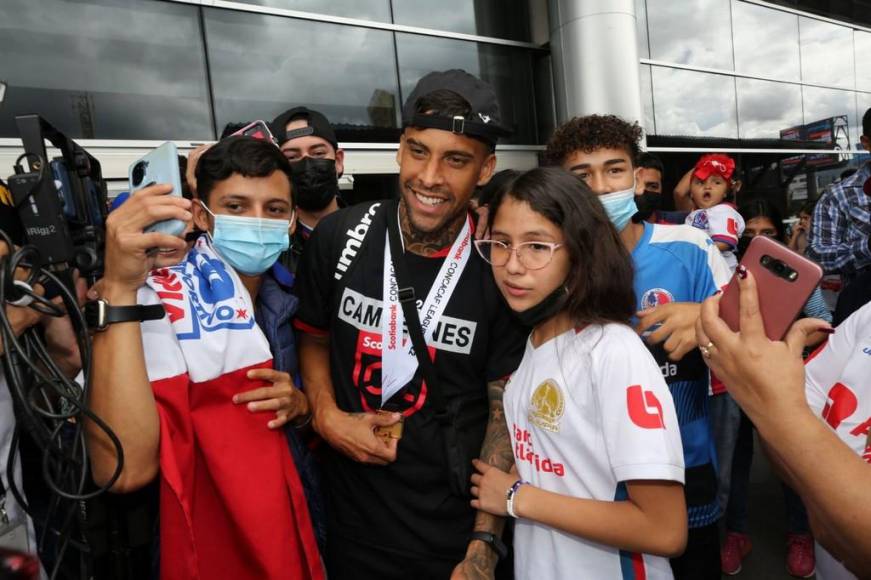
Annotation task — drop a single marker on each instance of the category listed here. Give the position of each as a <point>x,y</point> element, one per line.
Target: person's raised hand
<point>191,171</point>
<point>282,397</point>
<point>353,434</point>
<point>130,252</point>
<point>677,322</point>
<point>762,375</point>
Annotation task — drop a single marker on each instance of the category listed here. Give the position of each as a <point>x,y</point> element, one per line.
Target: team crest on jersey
<point>655,297</point>
<point>547,406</point>
<point>700,220</point>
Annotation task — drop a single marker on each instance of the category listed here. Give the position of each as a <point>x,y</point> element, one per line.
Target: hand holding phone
<point>159,166</point>
<point>784,280</point>
<point>258,130</point>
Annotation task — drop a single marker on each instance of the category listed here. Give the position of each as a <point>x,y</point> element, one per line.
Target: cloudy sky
<point>55,60</point>
<point>138,66</point>
<point>768,43</point>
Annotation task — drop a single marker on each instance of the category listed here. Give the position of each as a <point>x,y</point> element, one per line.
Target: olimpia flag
<point>231,501</point>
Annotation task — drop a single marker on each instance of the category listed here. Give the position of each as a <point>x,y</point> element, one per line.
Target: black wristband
<point>99,313</point>
<point>494,541</point>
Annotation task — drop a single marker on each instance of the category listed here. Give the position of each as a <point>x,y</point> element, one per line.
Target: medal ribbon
<point>398,360</point>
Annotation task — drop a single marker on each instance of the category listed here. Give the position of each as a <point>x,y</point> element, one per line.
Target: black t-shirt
<point>406,507</point>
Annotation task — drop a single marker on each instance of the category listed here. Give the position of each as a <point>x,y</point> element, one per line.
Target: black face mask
<point>315,182</point>
<point>648,203</point>
<point>545,309</point>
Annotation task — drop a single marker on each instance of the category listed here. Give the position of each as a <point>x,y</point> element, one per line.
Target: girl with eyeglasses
<point>597,482</point>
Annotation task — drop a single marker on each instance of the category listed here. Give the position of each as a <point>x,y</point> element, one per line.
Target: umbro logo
<point>484,118</point>
<point>354,241</point>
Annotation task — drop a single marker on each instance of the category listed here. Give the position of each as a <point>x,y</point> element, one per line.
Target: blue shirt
<point>682,264</point>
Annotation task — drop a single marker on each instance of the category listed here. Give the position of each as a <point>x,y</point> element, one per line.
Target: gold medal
<point>390,431</point>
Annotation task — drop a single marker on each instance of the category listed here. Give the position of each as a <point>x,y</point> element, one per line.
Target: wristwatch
<point>99,314</point>
<point>492,540</point>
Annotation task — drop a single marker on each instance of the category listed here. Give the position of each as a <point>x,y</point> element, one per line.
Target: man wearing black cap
<point>309,142</point>
<point>403,429</point>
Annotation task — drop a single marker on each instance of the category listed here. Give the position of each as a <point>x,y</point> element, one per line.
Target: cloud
<point>765,108</point>
<point>863,65</point>
<point>766,41</point>
<point>826,53</point>
<point>692,32</point>
<point>694,104</point>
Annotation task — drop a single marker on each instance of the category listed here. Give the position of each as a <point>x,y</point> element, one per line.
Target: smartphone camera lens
<point>766,259</point>
<point>138,173</point>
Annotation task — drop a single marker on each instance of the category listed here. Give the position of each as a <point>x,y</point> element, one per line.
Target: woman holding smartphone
<point>599,465</point>
<point>762,219</point>
<point>813,418</point>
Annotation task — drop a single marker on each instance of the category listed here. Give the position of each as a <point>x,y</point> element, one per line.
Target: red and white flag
<point>231,501</point>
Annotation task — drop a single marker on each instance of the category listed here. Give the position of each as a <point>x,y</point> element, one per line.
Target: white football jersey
<point>588,411</point>
<point>838,390</point>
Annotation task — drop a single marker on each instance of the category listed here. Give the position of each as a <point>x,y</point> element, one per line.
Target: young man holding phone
<point>184,393</point>
<point>676,268</point>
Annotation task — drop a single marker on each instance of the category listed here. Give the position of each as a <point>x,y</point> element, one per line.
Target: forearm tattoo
<point>497,450</point>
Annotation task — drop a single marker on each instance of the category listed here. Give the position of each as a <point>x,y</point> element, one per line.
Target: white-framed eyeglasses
<point>532,255</point>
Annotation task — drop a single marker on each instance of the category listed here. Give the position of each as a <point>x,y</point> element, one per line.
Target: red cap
<point>714,164</point>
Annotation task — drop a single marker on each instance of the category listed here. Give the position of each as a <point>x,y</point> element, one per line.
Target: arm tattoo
<point>496,449</point>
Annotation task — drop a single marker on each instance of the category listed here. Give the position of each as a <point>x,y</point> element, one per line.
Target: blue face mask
<point>620,206</point>
<point>250,245</point>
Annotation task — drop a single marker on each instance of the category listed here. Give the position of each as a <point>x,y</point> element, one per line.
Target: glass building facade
<point>128,73</point>
<point>174,69</point>
<point>748,70</point>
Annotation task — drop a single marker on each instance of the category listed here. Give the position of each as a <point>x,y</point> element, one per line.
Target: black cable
<point>41,168</point>
<point>48,405</point>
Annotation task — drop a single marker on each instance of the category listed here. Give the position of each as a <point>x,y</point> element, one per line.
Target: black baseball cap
<point>317,126</point>
<point>484,121</point>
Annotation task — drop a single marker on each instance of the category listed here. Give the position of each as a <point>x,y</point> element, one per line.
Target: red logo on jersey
<point>638,401</point>
<point>367,375</point>
<point>841,404</point>
<point>732,226</point>
<point>861,430</point>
